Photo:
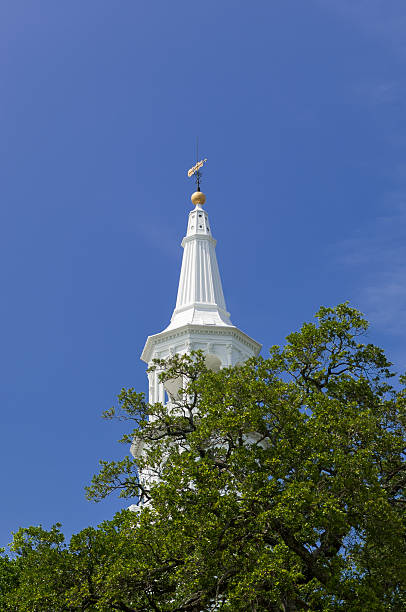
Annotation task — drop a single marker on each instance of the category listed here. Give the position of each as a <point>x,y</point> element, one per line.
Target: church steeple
<point>200,297</point>
<point>200,320</point>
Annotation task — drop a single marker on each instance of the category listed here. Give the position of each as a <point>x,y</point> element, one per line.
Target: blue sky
<point>300,110</point>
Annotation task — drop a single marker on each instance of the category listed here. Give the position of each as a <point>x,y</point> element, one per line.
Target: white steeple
<point>200,294</point>
<point>200,320</point>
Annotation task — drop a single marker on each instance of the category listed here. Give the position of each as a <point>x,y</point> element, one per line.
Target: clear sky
<point>300,110</point>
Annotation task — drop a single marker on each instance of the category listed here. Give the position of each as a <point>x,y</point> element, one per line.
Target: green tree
<point>280,486</point>
<point>8,577</point>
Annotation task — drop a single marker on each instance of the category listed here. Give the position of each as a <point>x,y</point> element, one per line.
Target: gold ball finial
<point>198,197</point>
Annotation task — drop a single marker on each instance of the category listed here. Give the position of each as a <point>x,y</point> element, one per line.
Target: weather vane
<point>196,168</point>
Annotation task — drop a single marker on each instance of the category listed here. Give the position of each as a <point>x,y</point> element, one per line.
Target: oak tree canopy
<point>280,486</point>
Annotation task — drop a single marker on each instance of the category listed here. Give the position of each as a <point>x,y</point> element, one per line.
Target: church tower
<point>200,319</point>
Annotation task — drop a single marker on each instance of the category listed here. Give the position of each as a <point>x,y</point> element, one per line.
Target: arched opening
<point>213,362</point>
<point>172,387</point>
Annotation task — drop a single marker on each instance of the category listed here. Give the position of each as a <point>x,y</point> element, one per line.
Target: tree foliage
<point>279,485</point>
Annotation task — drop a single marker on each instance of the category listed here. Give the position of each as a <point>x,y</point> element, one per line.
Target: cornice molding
<point>191,331</point>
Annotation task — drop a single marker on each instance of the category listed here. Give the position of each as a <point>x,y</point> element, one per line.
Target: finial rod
<point>197,159</point>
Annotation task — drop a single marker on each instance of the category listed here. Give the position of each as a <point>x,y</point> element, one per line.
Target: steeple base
<point>224,346</point>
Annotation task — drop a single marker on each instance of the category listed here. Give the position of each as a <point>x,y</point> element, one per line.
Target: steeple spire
<point>200,319</point>
<point>200,298</point>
